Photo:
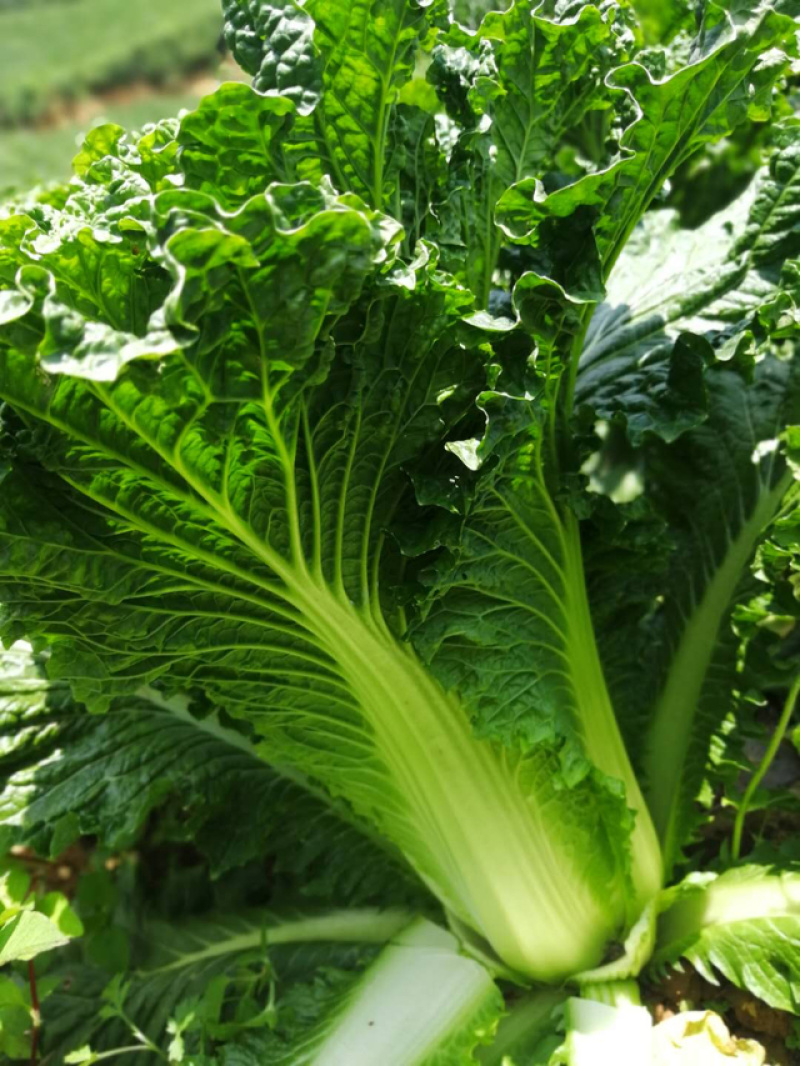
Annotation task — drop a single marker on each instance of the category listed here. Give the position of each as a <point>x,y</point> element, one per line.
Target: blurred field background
<point>69,65</point>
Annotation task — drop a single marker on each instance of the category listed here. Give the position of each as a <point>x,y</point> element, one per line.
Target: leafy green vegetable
<point>387,481</point>
<point>262,496</point>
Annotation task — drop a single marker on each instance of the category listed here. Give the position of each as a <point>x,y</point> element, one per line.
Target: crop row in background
<point>66,65</point>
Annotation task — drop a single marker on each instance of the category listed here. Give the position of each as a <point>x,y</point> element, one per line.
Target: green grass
<point>28,157</point>
<point>64,48</point>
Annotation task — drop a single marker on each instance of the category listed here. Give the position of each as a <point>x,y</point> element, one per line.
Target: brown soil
<point>59,875</point>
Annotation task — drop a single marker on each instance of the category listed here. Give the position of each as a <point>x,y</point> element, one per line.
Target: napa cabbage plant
<point>387,477</point>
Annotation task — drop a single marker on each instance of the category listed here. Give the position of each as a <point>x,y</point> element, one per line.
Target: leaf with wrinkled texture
<point>64,770</point>
<point>215,519</point>
<point>710,282</point>
<point>523,81</point>
<point>282,495</point>
<point>724,83</point>
<point>342,66</point>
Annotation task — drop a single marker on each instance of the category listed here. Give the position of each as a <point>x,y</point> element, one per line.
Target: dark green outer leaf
<point>724,83</point>
<point>519,84</point>
<point>342,65</point>
<point>718,503</point>
<point>63,771</point>
<point>715,282</point>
